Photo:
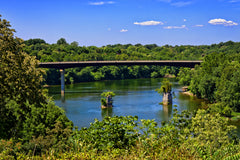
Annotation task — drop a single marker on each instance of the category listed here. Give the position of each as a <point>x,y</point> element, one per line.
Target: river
<point>135,97</point>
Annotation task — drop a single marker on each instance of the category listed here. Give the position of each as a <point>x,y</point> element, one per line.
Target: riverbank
<point>235,116</point>
<point>186,91</point>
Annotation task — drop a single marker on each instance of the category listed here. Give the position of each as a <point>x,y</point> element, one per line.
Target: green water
<point>133,97</point>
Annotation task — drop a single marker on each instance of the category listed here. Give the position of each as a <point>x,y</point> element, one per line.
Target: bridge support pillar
<point>62,71</point>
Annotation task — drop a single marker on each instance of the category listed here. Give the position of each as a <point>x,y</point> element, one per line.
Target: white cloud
<point>168,1</point>
<point>184,20</point>
<point>110,2</point>
<point>181,3</point>
<point>101,3</point>
<point>96,3</point>
<point>234,1</point>
<point>224,22</point>
<point>149,23</point>
<point>123,30</point>
<point>176,27</point>
<point>177,3</point>
<point>199,25</point>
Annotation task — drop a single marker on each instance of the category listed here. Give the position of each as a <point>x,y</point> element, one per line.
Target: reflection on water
<point>107,112</point>
<point>133,97</point>
<point>62,99</point>
<point>167,111</point>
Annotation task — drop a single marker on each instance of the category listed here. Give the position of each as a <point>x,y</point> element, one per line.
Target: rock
<point>103,107</point>
<point>109,106</point>
<point>185,88</point>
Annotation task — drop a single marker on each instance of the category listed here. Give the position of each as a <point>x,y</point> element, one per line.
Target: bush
<point>110,133</point>
<point>103,102</point>
<point>221,109</point>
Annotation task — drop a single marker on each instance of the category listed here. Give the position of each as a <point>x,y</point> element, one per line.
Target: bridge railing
<point>64,65</point>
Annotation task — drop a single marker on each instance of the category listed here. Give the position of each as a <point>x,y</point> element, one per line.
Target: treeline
<point>217,79</point>
<point>62,51</point>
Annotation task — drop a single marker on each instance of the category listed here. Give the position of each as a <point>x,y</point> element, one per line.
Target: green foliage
<point>229,86</point>
<point>184,76</point>
<point>103,102</point>
<point>56,137</point>
<point>200,136</point>
<point>218,79</point>
<point>20,82</point>
<point>115,132</point>
<point>221,109</point>
<point>25,110</point>
<point>211,134</point>
<point>32,127</point>
<point>34,41</point>
<point>166,86</point>
<point>62,41</point>
<point>211,129</point>
<point>9,149</point>
<point>154,74</point>
<point>62,51</point>
<point>108,93</point>
<point>105,95</point>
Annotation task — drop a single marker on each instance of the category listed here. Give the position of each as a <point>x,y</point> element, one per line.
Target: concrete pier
<point>167,98</point>
<point>62,71</point>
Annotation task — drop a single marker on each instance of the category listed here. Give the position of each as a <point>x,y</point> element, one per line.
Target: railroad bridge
<point>63,65</point>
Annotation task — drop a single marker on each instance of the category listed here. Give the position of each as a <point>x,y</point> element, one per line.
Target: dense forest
<point>33,127</point>
<point>62,51</point>
<point>217,79</point>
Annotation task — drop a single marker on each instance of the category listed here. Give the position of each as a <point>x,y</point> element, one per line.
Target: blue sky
<point>103,22</point>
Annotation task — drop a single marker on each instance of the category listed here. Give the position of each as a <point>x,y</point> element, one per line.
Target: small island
<point>106,100</point>
<point>166,90</point>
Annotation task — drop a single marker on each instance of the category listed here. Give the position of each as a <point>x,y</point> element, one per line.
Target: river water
<point>135,97</point>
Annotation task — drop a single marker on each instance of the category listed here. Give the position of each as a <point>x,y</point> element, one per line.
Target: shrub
<point>115,132</point>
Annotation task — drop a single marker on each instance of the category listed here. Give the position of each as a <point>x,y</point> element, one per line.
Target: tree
<point>34,41</point>
<point>109,93</point>
<point>184,76</point>
<point>166,86</point>
<point>229,86</point>
<point>74,43</point>
<point>62,41</point>
<point>25,110</point>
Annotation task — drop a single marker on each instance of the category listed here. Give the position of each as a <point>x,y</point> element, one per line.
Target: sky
<point>104,22</point>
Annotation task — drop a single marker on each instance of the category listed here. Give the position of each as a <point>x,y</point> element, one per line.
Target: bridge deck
<point>64,65</point>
